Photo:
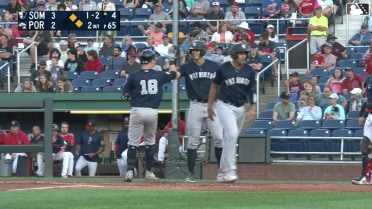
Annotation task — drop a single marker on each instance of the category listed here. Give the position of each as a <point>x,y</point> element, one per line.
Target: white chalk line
<point>57,187</point>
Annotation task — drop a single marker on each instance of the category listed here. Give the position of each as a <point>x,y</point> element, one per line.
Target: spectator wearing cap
<point>306,8</point>
<point>130,3</point>
<point>318,58</point>
<point>253,59</point>
<point>334,111</point>
<point>87,5</point>
<point>200,8</point>
<point>114,63</point>
<point>352,81</point>
<point>267,47</point>
<point>362,38</point>
<point>357,100</point>
<point>89,146</point>
<point>15,137</point>
<point>210,55</point>
<point>337,49</point>
<point>330,60</point>
<point>63,49</point>
<point>215,14</point>
<point>107,50</point>
<point>311,111</point>
<point>323,98</point>
<point>293,84</point>
<point>234,17</point>
<point>287,8</point>
<point>243,31</point>
<point>106,5</point>
<point>41,70</point>
<point>318,26</point>
<point>73,63</point>
<point>271,8</point>
<point>284,110</point>
<point>164,47</point>
<point>155,32</point>
<point>81,54</point>
<point>51,5</point>
<point>223,35</point>
<point>130,65</point>
<point>270,30</point>
<point>159,16</point>
<point>26,86</point>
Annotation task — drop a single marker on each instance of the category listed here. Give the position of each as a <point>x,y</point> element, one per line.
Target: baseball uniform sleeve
<point>219,76</point>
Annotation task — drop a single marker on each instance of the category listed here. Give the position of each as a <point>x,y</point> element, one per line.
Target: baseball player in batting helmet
<point>236,84</point>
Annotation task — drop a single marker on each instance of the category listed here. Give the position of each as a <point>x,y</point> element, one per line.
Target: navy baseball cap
<point>284,95</point>
<point>328,45</point>
<point>14,123</point>
<point>91,123</point>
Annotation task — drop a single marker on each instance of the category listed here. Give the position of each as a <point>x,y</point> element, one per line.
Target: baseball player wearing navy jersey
<point>366,119</point>
<point>199,73</point>
<point>234,82</point>
<point>144,89</point>
<point>89,145</point>
<point>121,146</point>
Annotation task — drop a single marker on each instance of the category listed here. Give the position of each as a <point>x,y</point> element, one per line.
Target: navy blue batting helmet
<point>198,45</point>
<point>238,48</point>
<point>147,55</point>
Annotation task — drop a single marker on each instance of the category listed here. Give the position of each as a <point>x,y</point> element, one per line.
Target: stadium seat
<point>353,115</point>
<point>347,96</point>
<point>90,89</point>
<point>296,144</point>
<point>124,28</point>
<point>309,124</point>
<point>196,19</point>
<point>252,12</point>
<point>335,144</point>
<point>358,133</point>
<point>133,28</point>
<point>270,105</point>
<point>333,124</point>
<point>348,63</point>
<point>284,124</point>
<point>355,144</point>
<point>112,89</point>
<point>361,49</point>
<point>350,49</point>
<point>256,2</point>
<point>353,124</point>
<point>265,115</point>
<point>292,98</point>
<point>360,71</point>
<point>256,27</point>
<point>356,56</point>
<point>183,26</point>
<point>71,75</point>
<point>262,124</point>
<point>111,74</point>
<point>305,78</point>
<point>318,145</point>
<point>323,80</point>
<point>142,13</point>
<point>126,13</point>
<point>276,144</point>
<point>319,72</point>
<point>91,75</point>
<point>101,82</point>
<point>254,132</point>
<point>140,45</point>
<point>118,3</point>
<point>119,82</point>
<point>76,89</point>
<point>80,82</point>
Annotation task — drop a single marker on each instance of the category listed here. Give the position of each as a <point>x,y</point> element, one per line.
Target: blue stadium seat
<point>361,49</point>
<point>262,124</point>
<point>118,3</point>
<point>111,74</point>
<point>71,75</point>
<point>270,105</point>
<point>112,89</point>
<point>167,7</point>
<point>254,132</point>
<point>355,144</point>
<point>105,61</point>
<point>356,56</point>
<point>126,13</point>
<point>319,72</point>
<point>276,144</point>
<point>196,19</point>
<point>305,78</point>
<point>142,13</point>
<point>360,71</point>
<point>119,82</point>
<point>318,145</point>
<point>358,133</point>
<point>350,50</point>
<point>284,124</point>
<point>140,45</point>
<point>353,115</point>
<point>183,26</point>
<point>353,124</point>
<point>265,115</point>
<point>266,59</point>
<point>333,124</point>
<point>89,75</point>
<point>252,12</point>
<point>90,89</point>
<point>133,28</point>
<point>182,81</point>
<point>292,98</point>
<point>80,82</point>
<point>76,89</point>
<point>347,96</point>
<point>323,80</point>
<point>101,82</point>
<point>256,27</point>
<point>348,63</point>
<point>335,145</point>
<point>297,144</point>
<point>256,2</point>
<point>309,124</point>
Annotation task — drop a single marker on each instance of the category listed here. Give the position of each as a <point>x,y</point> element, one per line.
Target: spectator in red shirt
<point>243,31</point>
<point>317,58</point>
<point>15,137</point>
<point>93,63</point>
<point>306,8</point>
<point>163,141</point>
<point>293,84</point>
<point>2,138</point>
<point>352,81</point>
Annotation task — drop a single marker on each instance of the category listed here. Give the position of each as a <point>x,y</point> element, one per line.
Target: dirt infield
<point>201,186</point>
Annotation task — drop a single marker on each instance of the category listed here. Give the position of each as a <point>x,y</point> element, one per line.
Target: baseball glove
<point>365,146</point>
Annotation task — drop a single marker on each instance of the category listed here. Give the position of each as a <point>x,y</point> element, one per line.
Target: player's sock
<point>365,160</point>
<point>149,154</point>
<point>218,153</point>
<point>191,158</point>
<point>132,151</point>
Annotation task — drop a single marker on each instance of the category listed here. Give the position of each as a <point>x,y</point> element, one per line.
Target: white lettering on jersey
<point>237,80</point>
<point>151,87</point>
<point>197,75</point>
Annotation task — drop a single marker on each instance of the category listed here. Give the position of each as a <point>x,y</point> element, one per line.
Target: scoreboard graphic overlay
<point>71,20</point>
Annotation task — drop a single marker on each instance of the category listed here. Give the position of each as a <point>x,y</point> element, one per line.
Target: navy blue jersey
<point>198,79</point>
<point>58,144</point>
<point>234,85</point>
<point>37,141</point>
<point>122,141</point>
<point>90,143</point>
<point>146,87</point>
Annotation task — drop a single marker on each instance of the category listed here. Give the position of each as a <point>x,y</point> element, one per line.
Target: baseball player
<point>144,90</point>
<point>88,146</point>
<point>121,150</point>
<point>58,154</point>
<point>234,82</point>
<point>366,118</point>
<point>199,74</point>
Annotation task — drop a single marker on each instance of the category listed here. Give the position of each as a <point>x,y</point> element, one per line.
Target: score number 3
<point>149,87</point>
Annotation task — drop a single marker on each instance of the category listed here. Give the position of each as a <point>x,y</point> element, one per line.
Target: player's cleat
<point>230,179</point>
<point>220,177</point>
<point>190,178</point>
<point>150,175</point>
<point>128,176</point>
<point>363,181</point>
<point>358,178</point>
<point>64,177</point>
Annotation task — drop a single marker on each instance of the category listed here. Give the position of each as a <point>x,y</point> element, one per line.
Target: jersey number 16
<point>149,87</point>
